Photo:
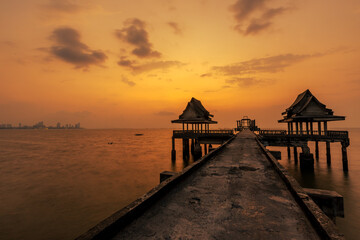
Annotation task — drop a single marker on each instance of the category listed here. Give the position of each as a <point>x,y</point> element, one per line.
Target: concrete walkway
<point>235,195</point>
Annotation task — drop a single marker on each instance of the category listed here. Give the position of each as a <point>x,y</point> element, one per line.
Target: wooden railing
<point>331,134</point>
<point>202,133</point>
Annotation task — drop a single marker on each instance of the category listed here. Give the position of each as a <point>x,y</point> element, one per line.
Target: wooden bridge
<point>301,138</point>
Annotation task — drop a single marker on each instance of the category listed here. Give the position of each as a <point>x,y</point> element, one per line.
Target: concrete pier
<point>237,193</point>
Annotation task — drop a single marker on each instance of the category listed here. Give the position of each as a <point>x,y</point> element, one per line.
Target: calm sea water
<point>56,184</point>
<point>333,178</point>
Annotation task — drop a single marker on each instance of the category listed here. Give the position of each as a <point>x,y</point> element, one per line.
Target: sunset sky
<point>120,64</point>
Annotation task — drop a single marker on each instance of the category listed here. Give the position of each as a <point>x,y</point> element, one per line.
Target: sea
<point>58,183</point>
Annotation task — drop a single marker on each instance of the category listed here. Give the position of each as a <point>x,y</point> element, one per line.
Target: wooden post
<point>317,150</point>
<point>192,145</point>
<point>311,128</point>
<point>173,151</point>
<point>288,128</point>
<point>325,128</point>
<point>319,128</point>
<point>295,154</point>
<point>186,153</point>
<point>297,127</point>
<point>288,152</point>
<point>183,126</point>
<point>307,128</point>
<point>292,128</point>
<point>301,128</point>
<point>328,154</point>
<point>205,149</point>
<point>344,157</point>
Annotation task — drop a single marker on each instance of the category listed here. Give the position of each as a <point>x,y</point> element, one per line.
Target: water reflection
<point>332,177</point>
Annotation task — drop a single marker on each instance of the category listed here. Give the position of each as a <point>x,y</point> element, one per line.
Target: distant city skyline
<point>39,125</point>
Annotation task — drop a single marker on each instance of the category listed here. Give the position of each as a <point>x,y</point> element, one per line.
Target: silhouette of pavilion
<point>196,121</point>
<point>300,117</point>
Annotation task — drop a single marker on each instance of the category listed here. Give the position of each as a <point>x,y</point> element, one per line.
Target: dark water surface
<point>56,184</point>
<point>333,178</point>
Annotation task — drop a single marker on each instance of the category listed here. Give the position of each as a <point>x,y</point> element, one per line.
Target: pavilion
<point>306,110</point>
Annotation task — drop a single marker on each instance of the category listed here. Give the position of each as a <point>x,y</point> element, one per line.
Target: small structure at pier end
<point>246,123</point>
<point>196,121</point>
<point>300,118</point>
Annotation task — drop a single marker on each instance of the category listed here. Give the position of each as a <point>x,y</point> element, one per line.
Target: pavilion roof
<point>307,107</point>
<point>195,112</point>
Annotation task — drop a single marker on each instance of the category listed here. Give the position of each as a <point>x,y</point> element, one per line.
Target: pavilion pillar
<point>311,128</point>
<point>297,127</point>
<point>319,128</point>
<point>325,128</point>
<point>317,150</point>
<point>288,128</point>
<point>201,127</point>
<point>295,154</point>
<point>301,128</point>
<point>173,151</point>
<point>307,128</point>
<point>187,127</point>
<point>328,154</point>
<point>344,157</point>
<point>291,128</point>
<point>205,149</point>
<point>288,152</point>
<point>183,126</point>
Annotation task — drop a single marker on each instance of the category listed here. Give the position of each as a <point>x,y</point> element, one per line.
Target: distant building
<point>58,125</point>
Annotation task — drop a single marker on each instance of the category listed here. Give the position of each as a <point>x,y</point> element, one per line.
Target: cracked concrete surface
<point>235,195</point>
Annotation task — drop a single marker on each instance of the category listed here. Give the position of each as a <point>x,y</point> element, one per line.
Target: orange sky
<point>117,63</point>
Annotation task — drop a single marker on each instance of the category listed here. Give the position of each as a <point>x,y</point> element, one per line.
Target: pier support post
<point>344,157</point>
<point>317,150</point>
<point>306,158</point>
<point>288,152</point>
<point>192,146</point>
<point>186,153</point>
<point>197,150</point>
<point>173,151</point>
<point>328,154</point>
<point>295,154</point>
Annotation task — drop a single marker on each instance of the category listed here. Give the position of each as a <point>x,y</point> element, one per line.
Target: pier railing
<point>202,133</point>
<point>315,134</point>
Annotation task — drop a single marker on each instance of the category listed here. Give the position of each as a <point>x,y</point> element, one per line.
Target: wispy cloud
<point>248,82</point>
<point>69,48</point>
<point>134,33</point>
<point>165,113</point>
<point>253,16</point>
<point>128,82</point>
<point>62,6</point>
<point>175,27</point>
<point>263,65</point>
<point>149,66</point>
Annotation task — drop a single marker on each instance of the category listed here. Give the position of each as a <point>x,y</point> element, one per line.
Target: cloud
<point>62,6</point>
<point>134,33</point>
<point>263,65</point>
<point>244,8</point>
<point>175,27</point>
<point>253,16</point>
<point>68,47</point>
<point>165,113</point>
<point>206,75</point>
<point>244,82</point>
<point>150,66</point>
<point>128,82</point>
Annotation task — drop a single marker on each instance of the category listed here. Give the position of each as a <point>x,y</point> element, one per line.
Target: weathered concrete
<point>235,195</point>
